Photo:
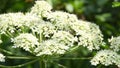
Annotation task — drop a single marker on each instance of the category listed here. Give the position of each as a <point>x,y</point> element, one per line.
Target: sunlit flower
<point>89,34</point>
<point>45,28</point>
<point>51,47</point>
<point>26,41</point>
<point>64,37</point>
<point>60,43</point>
<point>41,8</point>
<point>115,43</point>
<point>2,58</point>
<point>106,57</point>
<point>62,20</point>
<point>12,22</point>
<point>44,32</point>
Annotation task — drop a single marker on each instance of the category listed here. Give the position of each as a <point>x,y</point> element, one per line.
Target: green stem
<point>21,65</point>
<point>40,63</point>
<point>9,34</point>
<point>75,58</point>
<point>60,65</point>
<point>23,29</point>
<point>74,48</point>
<point>5,51</point>
<point>20,57</point>
<point>40,37</point>
<point>43,64</point>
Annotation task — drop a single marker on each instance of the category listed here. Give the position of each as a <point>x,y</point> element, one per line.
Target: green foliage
<point>116,4</point>
<point>15,5</point>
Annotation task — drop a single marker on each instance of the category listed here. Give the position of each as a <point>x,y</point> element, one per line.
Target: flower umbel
<point>115,43</point>
<point>45,32</point>
<point>89,34</point>
<point>26,41</point>
<point>106,57</point>
<point>12,22</point>
<point>41,8</point>
<point>51,47</point>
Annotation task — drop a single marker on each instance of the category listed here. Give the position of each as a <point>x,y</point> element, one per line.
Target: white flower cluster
<point>2,58</point>
<point>62,20</point>
<point>45,28</point>
<point>15,21</point>
<point>115,43</point>
<point>64,37</point>
<point>41,8</point>
<point>60,43</point>
<point>51,47</point>
<point>106,57</point>
<point>25,41</point>
<point>49,32</point>
<point>89,35</point>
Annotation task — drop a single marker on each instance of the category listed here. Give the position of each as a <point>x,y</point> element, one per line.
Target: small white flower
<point>106,57</point>
<point>2,58</point>
<point>51,47</point>
<point>9,21</point>
<point>41,8</point>
<point>26,41</point>
<point>62,20</point>
<point>64,37</point>
<point>89,34</point>
<point>45,28</point>
<point>12,22</point>
<point>115,43</point>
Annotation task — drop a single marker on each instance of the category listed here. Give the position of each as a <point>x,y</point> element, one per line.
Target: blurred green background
<point>100,12</point>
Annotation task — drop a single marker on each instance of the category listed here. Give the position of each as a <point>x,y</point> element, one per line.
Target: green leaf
<point>116,4</point>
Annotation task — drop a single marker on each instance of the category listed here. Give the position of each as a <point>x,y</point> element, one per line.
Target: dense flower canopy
<point>42,31</point>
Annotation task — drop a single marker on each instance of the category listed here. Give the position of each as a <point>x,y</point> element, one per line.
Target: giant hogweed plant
<point>48,34</point>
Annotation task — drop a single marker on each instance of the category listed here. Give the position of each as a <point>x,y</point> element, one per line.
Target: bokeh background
<point>100,12</point>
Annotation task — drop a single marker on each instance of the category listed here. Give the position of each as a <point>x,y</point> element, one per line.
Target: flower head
<point>62,20</point>
<point>12,22</point>
<point>60,42</point>
<point>41,8</point>
<point>89,34</point>
<point>106,57</point>
<point>26,41</point>
<point>45,28</point>
<point>51,47</point>
<point>64,37</point>
<point>115,43</point>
